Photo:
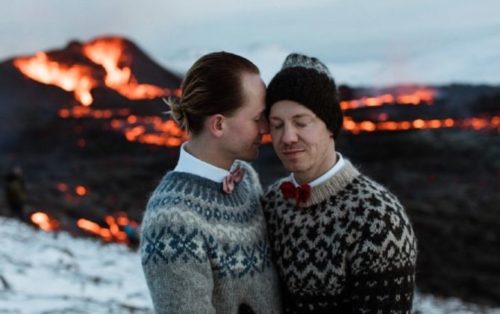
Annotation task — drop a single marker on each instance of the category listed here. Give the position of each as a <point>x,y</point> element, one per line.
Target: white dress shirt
<point>327,175</point>
<point>190,164</point>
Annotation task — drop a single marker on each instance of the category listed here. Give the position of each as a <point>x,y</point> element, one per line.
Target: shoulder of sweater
<point>380,191</point>
<point>380,203</point>
<point>274,187</point>
<point>251,173</point>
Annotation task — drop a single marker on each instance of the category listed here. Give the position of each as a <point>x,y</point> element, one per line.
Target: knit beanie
<point>308,82</point>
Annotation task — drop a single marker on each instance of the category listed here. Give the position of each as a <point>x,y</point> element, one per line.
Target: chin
<point>296,166</point>
<point>290,167</point>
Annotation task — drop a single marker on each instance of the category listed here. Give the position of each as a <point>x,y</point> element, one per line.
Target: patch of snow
<point>56,273</point>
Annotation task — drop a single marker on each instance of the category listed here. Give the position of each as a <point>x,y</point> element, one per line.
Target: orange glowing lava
<point>62,187</point>
<point>150,130</point>
<point>113,232</point>
<point>109,53</point>
<point>44,221</point>
<point>70,77</point>
<point>417,97</point>
<point>357,127</point>
<point>80,190</point>
<point>80,79</point>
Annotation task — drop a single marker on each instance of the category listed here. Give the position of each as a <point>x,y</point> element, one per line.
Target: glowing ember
<point>44,222</point>
<point>62,187</point>
<point>80,190</point>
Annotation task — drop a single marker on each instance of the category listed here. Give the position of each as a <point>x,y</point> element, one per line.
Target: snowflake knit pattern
<point>349,249</point>
<point>204,251</point>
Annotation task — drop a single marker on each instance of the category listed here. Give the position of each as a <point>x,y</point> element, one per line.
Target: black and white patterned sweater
<point>349,249</point>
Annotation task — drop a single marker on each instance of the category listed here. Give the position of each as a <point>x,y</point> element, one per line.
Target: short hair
<point>212,85</point>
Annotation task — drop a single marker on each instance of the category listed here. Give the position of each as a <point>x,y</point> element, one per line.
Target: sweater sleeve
<point>382,263</point>
<point>176,265</point>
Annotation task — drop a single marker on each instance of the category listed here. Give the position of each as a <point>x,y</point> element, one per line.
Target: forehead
<point>289,109</point>
<point>253,90</point>
<point>252,84</point>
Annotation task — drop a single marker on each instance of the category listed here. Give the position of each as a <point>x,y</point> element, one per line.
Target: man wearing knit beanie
<point>342,242</point>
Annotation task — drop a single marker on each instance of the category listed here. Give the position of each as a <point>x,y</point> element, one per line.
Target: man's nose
<point>289,135</point>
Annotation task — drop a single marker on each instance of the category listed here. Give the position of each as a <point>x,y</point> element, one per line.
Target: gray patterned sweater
<point>349,249</point>
<point>204,251</point>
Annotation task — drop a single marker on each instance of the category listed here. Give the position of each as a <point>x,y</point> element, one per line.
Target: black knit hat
<point>307,81</point>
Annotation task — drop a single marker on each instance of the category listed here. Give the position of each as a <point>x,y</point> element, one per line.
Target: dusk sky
<point>372,43</point>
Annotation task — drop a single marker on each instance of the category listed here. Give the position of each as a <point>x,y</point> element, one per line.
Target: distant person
<point>132,233</point>
<point>204,244</point>
<point>343,243</point>
<point>15,192</point>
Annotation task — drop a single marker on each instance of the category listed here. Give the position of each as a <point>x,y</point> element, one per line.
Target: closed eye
<point>276,126</point>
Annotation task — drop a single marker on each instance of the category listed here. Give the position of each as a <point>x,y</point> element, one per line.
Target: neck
<point>205,149</point>
<point>317,170</point>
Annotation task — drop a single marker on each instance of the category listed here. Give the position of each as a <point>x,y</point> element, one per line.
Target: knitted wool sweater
<point>349,249</point>
<point>204,251</point>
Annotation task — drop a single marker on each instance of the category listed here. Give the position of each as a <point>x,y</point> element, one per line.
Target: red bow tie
<point>231,179</point>
<point>300,193</point>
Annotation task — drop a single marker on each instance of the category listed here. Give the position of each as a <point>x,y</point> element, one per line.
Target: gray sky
<point>363,42</point>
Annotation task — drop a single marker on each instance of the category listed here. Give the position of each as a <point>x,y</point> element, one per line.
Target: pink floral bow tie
<point>231,179</point>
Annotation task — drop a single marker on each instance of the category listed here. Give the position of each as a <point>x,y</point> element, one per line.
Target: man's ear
<point>216,124</point>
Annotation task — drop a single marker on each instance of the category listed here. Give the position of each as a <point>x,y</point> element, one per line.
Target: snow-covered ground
<point>56,273</point>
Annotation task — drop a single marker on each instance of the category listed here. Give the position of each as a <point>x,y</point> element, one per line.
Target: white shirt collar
<point>190,164</point>
<point>327,175</point>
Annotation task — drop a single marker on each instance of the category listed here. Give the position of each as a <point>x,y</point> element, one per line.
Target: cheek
<point>251,130</point>
<point>276,136</point>
<point>275,145</point>
<point>242,127</point>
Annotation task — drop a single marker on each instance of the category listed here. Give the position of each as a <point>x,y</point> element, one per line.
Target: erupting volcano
<point>82,67</point>
<point>99,102</point>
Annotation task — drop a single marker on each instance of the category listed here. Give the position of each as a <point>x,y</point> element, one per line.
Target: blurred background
<point>84,138</point>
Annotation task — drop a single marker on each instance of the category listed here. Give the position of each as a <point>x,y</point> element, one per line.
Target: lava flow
<point>44,221</point>
<point>109,62</point>
<point>107,54</point>
<point>417,97</point>
<point>467,123</point>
